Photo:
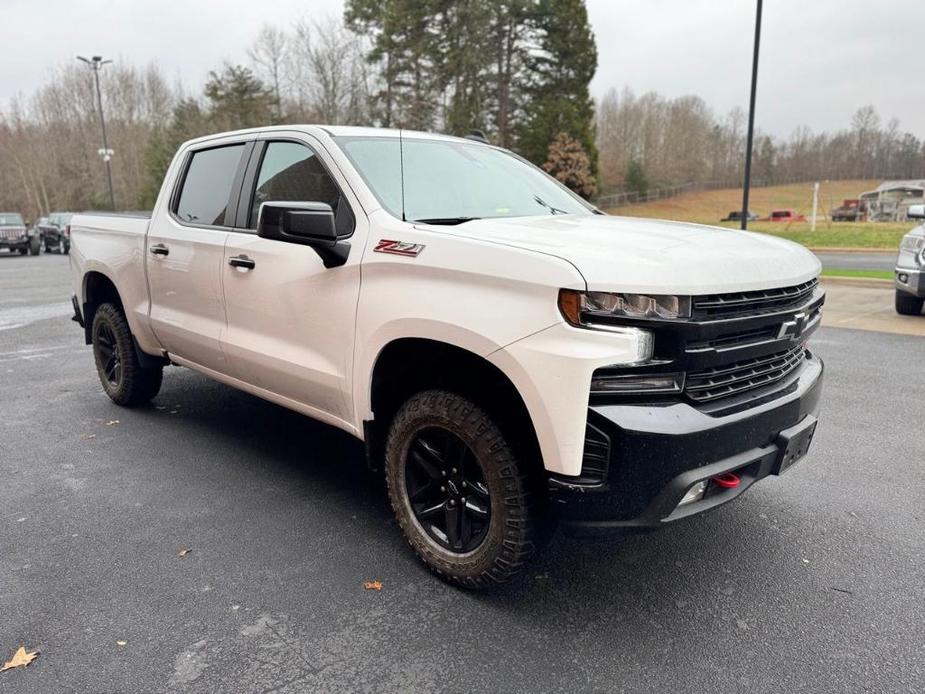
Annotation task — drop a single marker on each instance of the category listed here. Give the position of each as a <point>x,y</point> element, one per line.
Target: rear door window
<point>206,191</point>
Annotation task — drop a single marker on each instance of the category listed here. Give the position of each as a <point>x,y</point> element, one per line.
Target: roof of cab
<point>334,131</point>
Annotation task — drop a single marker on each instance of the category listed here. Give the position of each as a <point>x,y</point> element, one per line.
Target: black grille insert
<point>754,303</point>
<point>722,381</point>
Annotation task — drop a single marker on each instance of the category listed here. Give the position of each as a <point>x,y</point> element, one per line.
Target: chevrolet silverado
<point>512,357</point>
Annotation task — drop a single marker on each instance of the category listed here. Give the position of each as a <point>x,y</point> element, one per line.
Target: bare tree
<point>269,53</point>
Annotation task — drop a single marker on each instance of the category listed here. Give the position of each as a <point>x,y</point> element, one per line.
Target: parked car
<point>55,233</point>
<point>16,236</point>
<point>510,355</point>
<point>784,215</point>
<point>850,210</point>
<point>910,267</point>
<point>736,216</point>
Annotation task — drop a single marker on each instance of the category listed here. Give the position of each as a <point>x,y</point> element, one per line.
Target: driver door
<point>290,328</point>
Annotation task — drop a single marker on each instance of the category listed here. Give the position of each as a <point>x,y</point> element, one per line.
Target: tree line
<point>647,140</point>
<point>516,70</point>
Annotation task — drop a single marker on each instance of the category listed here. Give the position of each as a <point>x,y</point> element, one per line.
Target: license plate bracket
<point>794,443</point>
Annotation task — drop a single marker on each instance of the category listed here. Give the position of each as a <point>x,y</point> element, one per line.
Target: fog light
<point>695,493</point>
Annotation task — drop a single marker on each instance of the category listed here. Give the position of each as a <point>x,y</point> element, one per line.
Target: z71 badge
<point>412,250</point>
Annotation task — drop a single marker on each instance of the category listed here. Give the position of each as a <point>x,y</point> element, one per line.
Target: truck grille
<point>755,303</point>
<point>720,382</point>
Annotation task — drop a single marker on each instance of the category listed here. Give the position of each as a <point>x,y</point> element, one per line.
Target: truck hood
<point>645,255</point>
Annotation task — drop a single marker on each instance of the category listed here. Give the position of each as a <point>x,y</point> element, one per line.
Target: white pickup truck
<point>511,356</point>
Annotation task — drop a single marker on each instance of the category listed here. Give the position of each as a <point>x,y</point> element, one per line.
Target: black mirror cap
<point>309,223</point>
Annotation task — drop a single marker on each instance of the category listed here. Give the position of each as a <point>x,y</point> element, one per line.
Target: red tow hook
<point>726,480</point>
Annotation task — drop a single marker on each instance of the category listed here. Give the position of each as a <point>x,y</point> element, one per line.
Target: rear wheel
<point>908,305</point>
<point>459,493</point>
<point>123,378</point>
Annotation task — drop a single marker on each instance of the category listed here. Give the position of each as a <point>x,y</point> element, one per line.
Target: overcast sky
<point>820,60</point>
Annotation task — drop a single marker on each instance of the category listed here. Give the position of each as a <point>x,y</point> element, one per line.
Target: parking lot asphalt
<point>812,582</point>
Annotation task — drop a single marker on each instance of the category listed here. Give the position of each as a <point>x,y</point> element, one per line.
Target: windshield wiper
<point>554,210</point>
<point>448,221</point>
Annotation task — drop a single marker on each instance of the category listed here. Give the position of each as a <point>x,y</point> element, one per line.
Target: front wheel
<point>125,381</point>
<point>35,245</point>
<point>908,305</point>
<point>461,497</point>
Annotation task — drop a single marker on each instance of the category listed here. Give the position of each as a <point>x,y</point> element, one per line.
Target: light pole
<point>751,122</point>
<point>96,63</point>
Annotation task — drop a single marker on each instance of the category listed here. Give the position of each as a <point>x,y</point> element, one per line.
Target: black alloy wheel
<point>121,374</point>
<point>108,355</point>
<point>447,490</point>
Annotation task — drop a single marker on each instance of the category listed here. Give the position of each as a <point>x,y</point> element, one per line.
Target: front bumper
<point>15,244</point>
<point>658,451</point>
<point>911,281</point>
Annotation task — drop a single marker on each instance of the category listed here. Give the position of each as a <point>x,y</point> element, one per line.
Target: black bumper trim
<point>660,451</point>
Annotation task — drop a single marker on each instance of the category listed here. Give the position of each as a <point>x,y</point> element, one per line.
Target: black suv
<point>55,232</point>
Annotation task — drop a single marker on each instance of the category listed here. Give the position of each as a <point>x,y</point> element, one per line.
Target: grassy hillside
<point>709,207</point>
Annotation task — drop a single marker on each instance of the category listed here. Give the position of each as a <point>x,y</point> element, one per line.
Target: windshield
<point>8,219</point>
<point>451,182</point>
<point>60,219</point>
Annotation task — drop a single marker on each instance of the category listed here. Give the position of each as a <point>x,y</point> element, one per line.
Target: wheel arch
<point>97,289</point>
<point>408,365</point>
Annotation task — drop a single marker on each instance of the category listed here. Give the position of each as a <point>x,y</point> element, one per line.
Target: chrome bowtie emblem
<point>793,328</point>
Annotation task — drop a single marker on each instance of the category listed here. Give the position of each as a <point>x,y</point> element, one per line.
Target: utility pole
<point>96,63</point>
<point>751,122</point>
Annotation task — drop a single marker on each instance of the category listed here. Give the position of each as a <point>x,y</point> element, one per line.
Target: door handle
<point>241,261</point>
<point>159,249</point>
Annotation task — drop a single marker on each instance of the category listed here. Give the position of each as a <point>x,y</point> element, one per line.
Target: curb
<point>852,249</point>
<point>870,282</point>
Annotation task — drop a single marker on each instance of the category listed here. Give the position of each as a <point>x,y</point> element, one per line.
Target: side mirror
<point>306,223</point>
<point>916,212</point>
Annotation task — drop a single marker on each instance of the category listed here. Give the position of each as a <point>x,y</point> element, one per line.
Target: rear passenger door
<point>290,319</point>
<point>185,254</point>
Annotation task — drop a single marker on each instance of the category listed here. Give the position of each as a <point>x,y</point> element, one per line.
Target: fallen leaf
<point>112,422</point>
<point>372,585</point>
<point>184,552</point>
<point>87,437</point>
<point>121,643</point>
<point>20,659</point>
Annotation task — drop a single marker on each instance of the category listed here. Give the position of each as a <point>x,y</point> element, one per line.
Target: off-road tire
<point>35,245</point>
<point>130,384</point>
<point>908,305</point>
<point>515,528</point>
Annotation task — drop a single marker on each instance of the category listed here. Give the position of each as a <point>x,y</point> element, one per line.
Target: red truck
<point>784,215</point>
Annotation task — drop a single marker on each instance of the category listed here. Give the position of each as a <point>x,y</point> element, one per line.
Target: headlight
<point>912,243</point>
<point>580,308</point>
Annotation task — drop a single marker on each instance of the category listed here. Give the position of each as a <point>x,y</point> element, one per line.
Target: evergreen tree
<point>407,48</point>
<point>636,179</point>
<point>560,71</point>
<point>237,99</point>
<point>187,122</point>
